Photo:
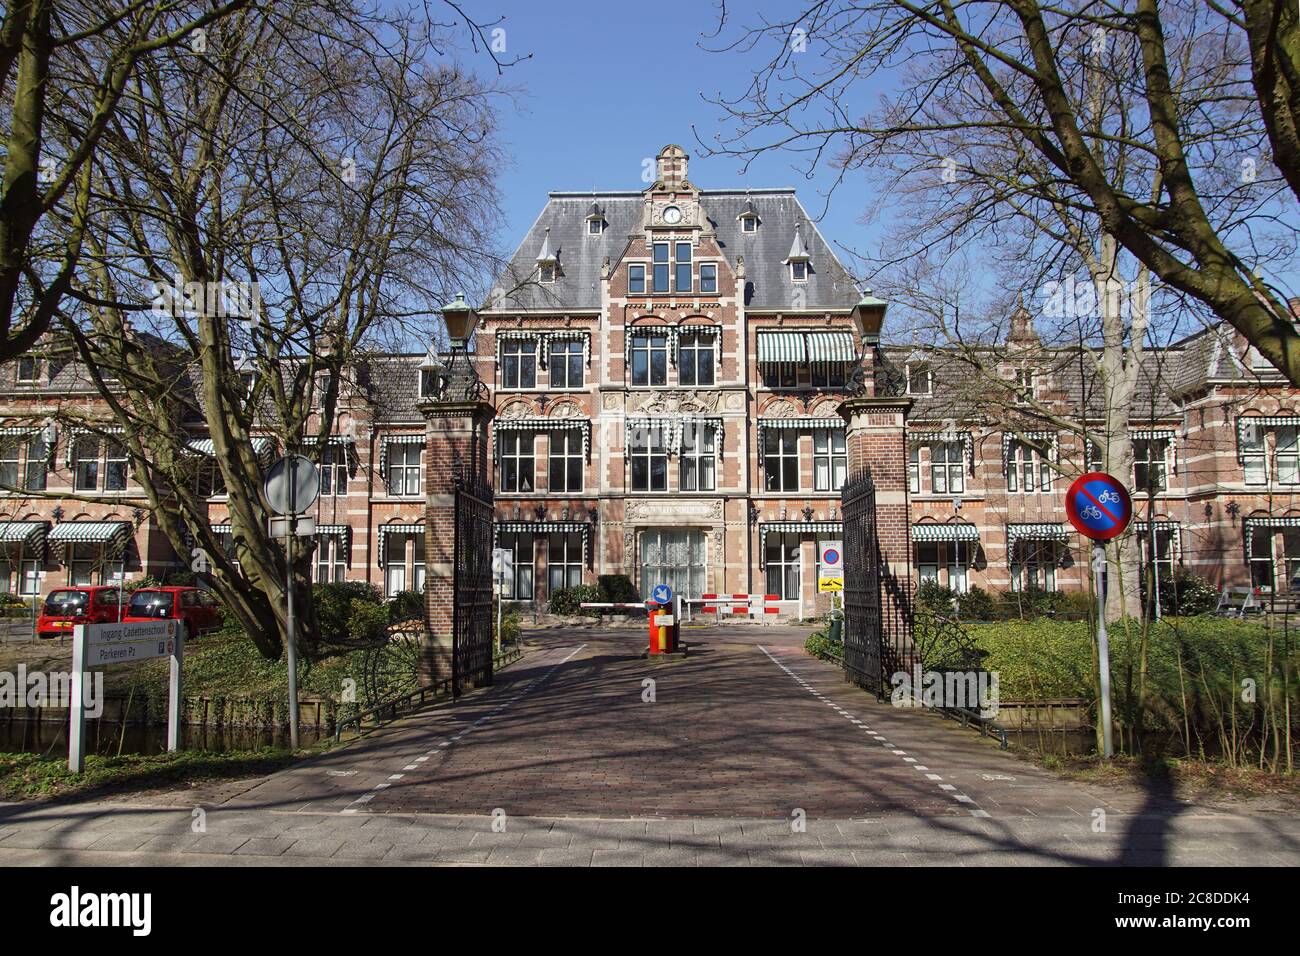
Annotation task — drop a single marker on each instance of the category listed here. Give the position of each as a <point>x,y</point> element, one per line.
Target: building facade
<point>667,367</point>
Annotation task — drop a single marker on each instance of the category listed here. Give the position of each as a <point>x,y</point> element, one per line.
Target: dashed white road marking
<point>946,787</point>
<point>379,787</point>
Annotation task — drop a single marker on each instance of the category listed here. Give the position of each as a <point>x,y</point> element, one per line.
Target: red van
<point>65,608</point>
<point>197,608</point>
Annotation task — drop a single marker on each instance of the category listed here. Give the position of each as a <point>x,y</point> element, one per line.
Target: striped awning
<point>27,533</point>
<point>1248,424</point>
<point>569,335</point>
<point>411,438</point>
<point>934,438</point>
<point>793,527</point>
<point>798,346</point>
<point>954,531</point>
<point>582,425</point>
<point>113,535</point>
<point>386,530</point>
<point>547,527</point>
<point>13,431</point>
<point>1036,532</point>
<point>204,446</point>
<point>75,433</point>
<point>1266,523</point>
<point>775,347</point>
<point>1039,439</point>
<point>831,347</point>
<point>800,424</point>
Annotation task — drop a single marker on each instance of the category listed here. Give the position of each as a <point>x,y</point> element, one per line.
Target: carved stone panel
<point>672,510</point>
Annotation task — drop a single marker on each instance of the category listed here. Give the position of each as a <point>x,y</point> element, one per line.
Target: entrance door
<point>675,558</point>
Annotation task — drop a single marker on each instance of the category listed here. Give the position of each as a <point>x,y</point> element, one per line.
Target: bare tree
<point>259,213</point>
<point>63,69</point>
<point>1208,91</point>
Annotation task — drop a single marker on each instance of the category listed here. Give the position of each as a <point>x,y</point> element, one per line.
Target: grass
<point>1191,781</point>
<point>26,776</point>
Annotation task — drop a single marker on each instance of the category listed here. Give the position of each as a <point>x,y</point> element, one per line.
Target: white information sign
<point>122,643</point>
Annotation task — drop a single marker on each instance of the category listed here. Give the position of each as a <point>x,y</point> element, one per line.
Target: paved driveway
<point>749,751</point>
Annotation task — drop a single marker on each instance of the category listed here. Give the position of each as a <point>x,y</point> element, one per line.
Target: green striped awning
<point>402,438</point>
<point>831,347</point>
<point>546,528</point>
<point>956,531</point>
<point>27,533</point>
<point>90,532</point>
<point>782,347</point>
<point>793,527</point>
<point>1266,522</point>
<point>203,446</point>
<point>386,530</point>
<point>804,345</point>
<point>1036,532</point>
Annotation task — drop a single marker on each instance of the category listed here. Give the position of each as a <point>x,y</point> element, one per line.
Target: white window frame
<point>522,353</point>
<point>651,348</point>
<point>1036,558</point>
<point>403,474</point>
<point>775,462</point>
<point>524,450</point>
<point>830,459</point>
<point>648,443</point>
<point>569,565</point>
<point>1029,471</point>
<point>564,448</point>
<point>789,568</point>
<point>946,470</point>
<point>563,359</point>
<point>697,460</point>
<point>693,343</point>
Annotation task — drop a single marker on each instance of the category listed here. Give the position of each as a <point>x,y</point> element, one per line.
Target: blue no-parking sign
<point>662,594</point>
<point>1098,506</point>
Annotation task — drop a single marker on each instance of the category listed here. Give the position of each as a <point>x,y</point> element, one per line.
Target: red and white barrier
<point>752,605</point>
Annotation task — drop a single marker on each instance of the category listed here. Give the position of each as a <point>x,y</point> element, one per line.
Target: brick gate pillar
<point>876,439</point>
<point>455,446</point>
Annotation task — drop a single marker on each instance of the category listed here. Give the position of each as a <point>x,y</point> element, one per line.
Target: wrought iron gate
<point>471,651</point>
<point>877,608</point>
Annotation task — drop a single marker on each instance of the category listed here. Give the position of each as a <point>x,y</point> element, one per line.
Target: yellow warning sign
<point>830,584</point>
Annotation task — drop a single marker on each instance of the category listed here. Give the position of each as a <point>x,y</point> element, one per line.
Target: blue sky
<point>608,85</point>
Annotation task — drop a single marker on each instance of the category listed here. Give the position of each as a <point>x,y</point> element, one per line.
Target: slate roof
<point>577,288</point>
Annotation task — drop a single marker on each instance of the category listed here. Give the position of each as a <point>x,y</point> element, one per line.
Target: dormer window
<point>428,382</point>
<point>748,218</point>
<point>1025,385</point>
<point>920,381</point>
<point>547,262</point>
<point>595,220</point>
<point>798,258</point>
<point>29,370</point>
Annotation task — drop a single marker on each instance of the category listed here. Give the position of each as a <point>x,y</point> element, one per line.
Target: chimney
<point>670,167</point>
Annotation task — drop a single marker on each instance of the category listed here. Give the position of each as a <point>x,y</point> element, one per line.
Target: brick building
<point>667,368</point>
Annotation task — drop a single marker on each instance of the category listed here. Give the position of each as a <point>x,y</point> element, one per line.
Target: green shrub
<point>976,605</point>
<point>334,611</point>
<point>820,645</point>
<point>566,600</point>
<point>509,627</point>
<point>1186,595</point>
<point>367,623</point>
<point>406,606</point>
<point>934,596</point>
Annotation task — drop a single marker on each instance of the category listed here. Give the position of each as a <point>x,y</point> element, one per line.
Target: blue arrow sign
<point>663,594</point>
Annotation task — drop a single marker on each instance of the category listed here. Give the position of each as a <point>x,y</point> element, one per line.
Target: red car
<point>197,608</point>
<point>65,608</point>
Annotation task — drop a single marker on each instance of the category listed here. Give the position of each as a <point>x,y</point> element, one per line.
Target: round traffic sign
<point>662,594</point>
<point>292,485</point>
<point>1098,506</point>
<point>830,556</point>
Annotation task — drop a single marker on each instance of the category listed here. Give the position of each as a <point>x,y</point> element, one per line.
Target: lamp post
<point>868,318</point>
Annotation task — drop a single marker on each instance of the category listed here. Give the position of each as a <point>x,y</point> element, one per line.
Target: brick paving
<point>750,753</point>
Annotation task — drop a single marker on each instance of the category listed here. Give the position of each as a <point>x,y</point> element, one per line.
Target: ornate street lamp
<point>868,318</point>
<point>457,379</point>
